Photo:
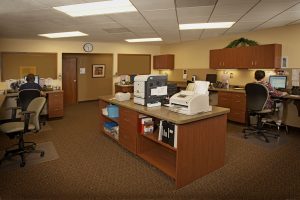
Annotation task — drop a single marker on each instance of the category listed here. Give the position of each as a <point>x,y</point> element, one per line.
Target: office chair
<point>18,129</point>
<point>26,96</point>
<point>256,98</point>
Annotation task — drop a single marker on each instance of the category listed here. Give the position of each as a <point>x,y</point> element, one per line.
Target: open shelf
<point>154,137</point>
<point>111,119</point>
<point>109,134</point>
<point>163,160</point>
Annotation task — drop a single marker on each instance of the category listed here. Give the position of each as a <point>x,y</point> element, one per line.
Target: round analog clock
<point>88,47</point>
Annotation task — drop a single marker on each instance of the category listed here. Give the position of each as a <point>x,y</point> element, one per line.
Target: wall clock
<point>88,47</point>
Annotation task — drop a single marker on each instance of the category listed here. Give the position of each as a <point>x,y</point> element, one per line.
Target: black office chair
<point>256,98</point>
<point>18,129</point>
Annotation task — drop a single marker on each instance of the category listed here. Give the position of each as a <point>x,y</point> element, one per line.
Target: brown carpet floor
<point>92,166</point>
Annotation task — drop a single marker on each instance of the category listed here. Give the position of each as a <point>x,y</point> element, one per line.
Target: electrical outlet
<point>231,75</point>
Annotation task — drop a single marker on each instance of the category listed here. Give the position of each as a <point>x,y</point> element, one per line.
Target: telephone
<point>120,96</point>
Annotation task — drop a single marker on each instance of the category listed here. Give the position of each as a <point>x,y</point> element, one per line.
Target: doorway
<point>69,80</point>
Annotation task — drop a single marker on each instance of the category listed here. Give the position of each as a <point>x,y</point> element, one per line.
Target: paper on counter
<point>159,91</point>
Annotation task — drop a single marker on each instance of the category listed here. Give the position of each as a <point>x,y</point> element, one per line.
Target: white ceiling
<point>155,18</point>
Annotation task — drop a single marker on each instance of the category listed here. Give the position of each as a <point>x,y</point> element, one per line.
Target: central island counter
<point>200,139</point>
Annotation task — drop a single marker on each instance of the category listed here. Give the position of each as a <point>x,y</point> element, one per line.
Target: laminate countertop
<point>164,113</point>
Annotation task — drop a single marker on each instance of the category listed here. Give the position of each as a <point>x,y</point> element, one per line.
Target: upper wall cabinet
<point>262,56</point>
<point>163,61</point>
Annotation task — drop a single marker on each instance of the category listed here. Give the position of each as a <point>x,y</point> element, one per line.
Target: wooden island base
<point>200,140</point>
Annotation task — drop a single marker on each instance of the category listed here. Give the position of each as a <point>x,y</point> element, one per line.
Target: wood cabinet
<point>262,56</point>
<point>237,104</point>
<point>128,127</point>
<point>124,88</point>
<point>163,61</point>
<point>55,104</point>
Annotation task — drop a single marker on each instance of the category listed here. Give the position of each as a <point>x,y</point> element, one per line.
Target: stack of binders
<point>168,133</point>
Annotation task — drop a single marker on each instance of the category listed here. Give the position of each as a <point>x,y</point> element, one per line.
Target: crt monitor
<point>278,82</point>
<point>36,79</point>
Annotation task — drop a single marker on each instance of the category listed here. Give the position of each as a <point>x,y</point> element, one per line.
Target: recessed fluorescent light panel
<point>206,25</point>
<point>63,34</point>
<point>97,8</point>
<point>144,40</point>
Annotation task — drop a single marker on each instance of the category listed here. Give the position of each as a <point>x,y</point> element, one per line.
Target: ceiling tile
<point>143,5</point>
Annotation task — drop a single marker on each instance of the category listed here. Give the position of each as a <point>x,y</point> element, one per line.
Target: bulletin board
<point>130,64</point>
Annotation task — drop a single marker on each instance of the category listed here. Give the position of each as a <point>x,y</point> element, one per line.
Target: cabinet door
<point>238,107</point>
<point>272,55</point>
<point>215,59</point>
<point>55,104</point>
<point>244,57</point>
<point>128,127</point>
<point>163,61</point>
<point>224,99</point>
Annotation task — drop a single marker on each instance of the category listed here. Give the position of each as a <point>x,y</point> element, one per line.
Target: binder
<point>168,133</point>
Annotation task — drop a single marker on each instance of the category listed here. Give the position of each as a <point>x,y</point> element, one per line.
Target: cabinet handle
<point>220,64</point>
<point>223,63</point>
<point>252,63</point>
<point>255,63</point>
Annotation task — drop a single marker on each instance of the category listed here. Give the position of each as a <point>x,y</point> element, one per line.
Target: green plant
<point>241,42</point>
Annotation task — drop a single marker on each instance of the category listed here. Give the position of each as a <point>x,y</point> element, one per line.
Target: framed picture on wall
<point>98,70</point>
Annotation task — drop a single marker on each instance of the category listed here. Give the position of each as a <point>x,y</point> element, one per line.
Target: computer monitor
<point>212,78</point>
<point>36,79</point>
<point>278,82</point>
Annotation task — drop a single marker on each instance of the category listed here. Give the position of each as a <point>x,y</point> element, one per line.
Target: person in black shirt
<point>30,84</point>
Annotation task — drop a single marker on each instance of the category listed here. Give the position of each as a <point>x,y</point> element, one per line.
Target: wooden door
<point>69,80</point>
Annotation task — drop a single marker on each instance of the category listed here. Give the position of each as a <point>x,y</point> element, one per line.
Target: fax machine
<point>192,102</point>
<point>150,89</point>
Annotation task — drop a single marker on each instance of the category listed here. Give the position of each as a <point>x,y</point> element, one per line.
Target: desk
<point>200,139</point>
<point>237,111</point>
<point>53,109</point>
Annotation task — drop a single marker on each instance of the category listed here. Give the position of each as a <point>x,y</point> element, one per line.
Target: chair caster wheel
<point>22,164</point>
<point>245,137</point>
<point>42,154</point>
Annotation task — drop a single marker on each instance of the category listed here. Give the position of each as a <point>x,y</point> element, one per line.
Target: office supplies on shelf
<point>150,90</point>
<point>113,111</point>
<point>192,102</point>
<point>112,128</point>
<point>147,125</point>
<point>122,96</point>
<point>168,133</point>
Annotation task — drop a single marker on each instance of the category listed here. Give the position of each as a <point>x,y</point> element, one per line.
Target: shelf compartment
<point>159,156</point>
<point>154,137</point>
<point>111,119</point>
<point>109,134</point>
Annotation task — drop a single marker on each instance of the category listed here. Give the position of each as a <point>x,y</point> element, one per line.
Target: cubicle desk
<point>53,109</point>
<point>200,139</point>
<point>291,114</point>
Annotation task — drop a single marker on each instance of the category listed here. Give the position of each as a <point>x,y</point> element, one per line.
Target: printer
<point>192,102</point>
<point>150,90</point>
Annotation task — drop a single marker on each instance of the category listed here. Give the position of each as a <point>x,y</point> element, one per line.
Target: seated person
<point>260,78</point>
<point>31,84</point>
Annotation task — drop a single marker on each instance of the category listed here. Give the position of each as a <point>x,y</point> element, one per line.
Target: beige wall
<point>195,54</point>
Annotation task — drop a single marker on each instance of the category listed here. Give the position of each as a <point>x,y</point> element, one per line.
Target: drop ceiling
<point>155,18</point>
